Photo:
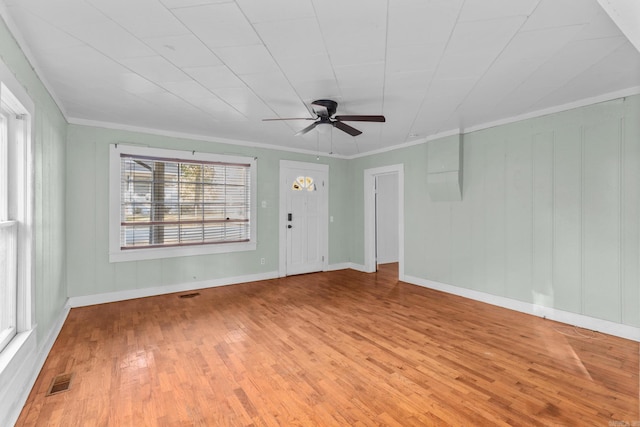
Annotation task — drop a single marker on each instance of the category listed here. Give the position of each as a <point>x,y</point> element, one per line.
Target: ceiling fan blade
<point>290,118</point>
<point>359,118</point>
<point>307,129</point>
<point>346,128</point>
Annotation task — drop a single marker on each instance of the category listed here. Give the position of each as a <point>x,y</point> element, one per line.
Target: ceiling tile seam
<point>324,43</point>
<point>583,71</point>
<point>435,72</point>
<point>83,43</point>
<point>170,10</point>
<point>191,78</point>
<point>533,71</point>
<point>384,75</point>
<point>479,79</point>
<point>277,64</point>
<point>537,100</point>
<point>20,41</point>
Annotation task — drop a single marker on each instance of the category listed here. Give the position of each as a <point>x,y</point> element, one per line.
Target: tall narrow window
<point>12,198</point>
<point>180,200</point>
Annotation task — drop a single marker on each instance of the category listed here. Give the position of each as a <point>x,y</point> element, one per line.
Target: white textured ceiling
<point>217,68</point>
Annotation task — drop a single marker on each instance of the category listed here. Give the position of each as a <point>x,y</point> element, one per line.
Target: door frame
<point>282,221</point>
<point>370,216</point>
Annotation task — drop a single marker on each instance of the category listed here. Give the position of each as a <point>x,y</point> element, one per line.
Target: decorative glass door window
<point>303,183</point>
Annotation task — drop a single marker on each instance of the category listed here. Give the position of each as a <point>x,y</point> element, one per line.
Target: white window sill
<point>15,353</point>
<point>178,251</point>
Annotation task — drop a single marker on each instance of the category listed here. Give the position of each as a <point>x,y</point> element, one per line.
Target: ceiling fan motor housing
<point>330,106</point>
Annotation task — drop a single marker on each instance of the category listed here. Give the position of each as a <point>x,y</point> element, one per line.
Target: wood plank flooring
<point>331,349</point>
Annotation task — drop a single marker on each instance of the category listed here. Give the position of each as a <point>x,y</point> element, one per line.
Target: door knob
<point>289,226</point>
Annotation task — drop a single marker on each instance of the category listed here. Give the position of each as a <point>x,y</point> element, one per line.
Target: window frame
<point>117,254</point>
<point>21,196</point>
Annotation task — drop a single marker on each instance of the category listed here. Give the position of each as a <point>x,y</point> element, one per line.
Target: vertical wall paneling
<point>461,226</point>
<point>108,275</point>
<point>582,227</point>
<point>476,184</point>
<point>81,224</point>
<point>601,205</point>
<point>494,216</point>
<point>621,200</point>
<point>518,206</point>
<point>542,230</point>
<point>567,228</point>
<point>630,231</point>
<point>550,213</point>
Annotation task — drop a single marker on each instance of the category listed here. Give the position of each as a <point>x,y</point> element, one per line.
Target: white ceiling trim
<point>195,137</point>
<point>540,113</point>
<point>406,144</point>
<point>557,109</point>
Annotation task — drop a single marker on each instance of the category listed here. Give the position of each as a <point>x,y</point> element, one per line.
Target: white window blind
<point>170,202</point>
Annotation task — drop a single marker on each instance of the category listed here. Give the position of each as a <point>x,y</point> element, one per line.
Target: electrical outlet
<point>262,261</point>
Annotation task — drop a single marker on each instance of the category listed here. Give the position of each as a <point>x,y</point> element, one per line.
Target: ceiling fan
<point>325,110</point>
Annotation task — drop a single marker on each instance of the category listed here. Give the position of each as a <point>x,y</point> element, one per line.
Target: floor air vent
<point>194,294</point>
<point>59,384</point>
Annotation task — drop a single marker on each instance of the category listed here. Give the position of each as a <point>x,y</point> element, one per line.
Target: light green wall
<point>50,134</point>
<point>88,267</point>
<point>550,212</point>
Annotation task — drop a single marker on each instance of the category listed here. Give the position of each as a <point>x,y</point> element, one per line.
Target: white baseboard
<point>340,266</point>
<point>580,320</point>
<point>84,300</point>
<point>358,267</point>
<point>15,392</point>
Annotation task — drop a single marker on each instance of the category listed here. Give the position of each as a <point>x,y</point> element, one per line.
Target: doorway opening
<point>384,217</point>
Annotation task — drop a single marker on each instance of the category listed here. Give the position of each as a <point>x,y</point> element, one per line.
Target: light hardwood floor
<point>338,348</point>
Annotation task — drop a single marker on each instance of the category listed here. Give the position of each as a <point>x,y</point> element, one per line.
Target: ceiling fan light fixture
<point>324,128</point>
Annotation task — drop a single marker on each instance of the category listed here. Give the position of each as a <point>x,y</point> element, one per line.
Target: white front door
<point>304,217</point>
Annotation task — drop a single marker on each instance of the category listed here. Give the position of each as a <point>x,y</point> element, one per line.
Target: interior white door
<point>305,191</point>
<point>386,218</point>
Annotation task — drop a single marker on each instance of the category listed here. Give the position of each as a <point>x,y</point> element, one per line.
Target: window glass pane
<point>165,203</point>
<point>8,280</point>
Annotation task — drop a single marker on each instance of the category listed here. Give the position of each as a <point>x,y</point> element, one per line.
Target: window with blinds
<point>178,202</point>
